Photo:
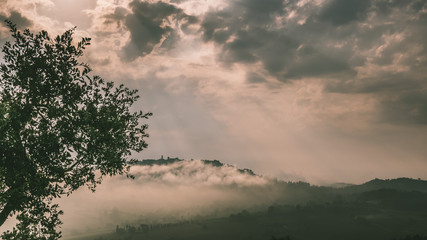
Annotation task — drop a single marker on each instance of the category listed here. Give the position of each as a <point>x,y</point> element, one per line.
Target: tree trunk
<point>7,210</point>
<point>10,206</point>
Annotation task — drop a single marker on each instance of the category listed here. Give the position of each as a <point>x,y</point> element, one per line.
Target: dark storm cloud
<point>17,18</point>
<point>146,23</point>
<point>312,62</point>
<point>335,40</point>
<point>401,93</point>
<point>285,49</point>
<point>340,12</point>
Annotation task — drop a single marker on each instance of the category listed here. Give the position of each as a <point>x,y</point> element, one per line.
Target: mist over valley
<point>193,199</point>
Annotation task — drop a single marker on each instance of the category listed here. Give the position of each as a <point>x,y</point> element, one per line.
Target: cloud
<point>164,194</point>
<point>149,24</point>
<point>406,108</point>
<point>402,98</point>
<point>340,12</point>
<point>269,33</point>
<point>371,47</point>
<point>17,18</point>
<point>253,77</point>
<point>196,173</point>
<point>66,13</point>
<point>116,17</point>
<point>392,70</point>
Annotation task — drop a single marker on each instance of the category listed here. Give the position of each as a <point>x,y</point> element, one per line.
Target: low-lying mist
<point>179,191</point>
<point>174,198</point>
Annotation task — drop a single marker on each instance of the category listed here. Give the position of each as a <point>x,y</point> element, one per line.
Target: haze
<point>322,91</point>
<point>160,194</point>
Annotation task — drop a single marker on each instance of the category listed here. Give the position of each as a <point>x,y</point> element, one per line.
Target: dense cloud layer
<point>275,36</point>
<point>370,47</point>
<point>322,90</point>
<point>340,12</point>
<point>149,24</point>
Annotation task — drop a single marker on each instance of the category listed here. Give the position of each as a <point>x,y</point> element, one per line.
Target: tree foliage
<point>60,129</point>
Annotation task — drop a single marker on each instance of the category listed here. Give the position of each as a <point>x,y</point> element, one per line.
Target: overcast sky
<point>321,91</point>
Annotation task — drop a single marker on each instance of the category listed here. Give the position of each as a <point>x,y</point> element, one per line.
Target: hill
<point>271,209</point>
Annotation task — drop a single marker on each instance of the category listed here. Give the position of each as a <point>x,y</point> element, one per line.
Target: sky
<point>321,91</point>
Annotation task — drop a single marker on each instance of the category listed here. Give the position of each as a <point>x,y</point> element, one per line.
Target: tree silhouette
<point>60,129</point>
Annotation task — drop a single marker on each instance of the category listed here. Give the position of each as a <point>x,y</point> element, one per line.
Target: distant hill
<point>379,213</point>
<point>340,185</point>
<point>261,208</point>
<point>168,160</point>
<point>161,161</point>
<point>401,184</point>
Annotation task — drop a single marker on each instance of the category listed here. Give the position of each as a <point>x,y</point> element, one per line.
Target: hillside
<point>378,209</point>
<point>168,161</point>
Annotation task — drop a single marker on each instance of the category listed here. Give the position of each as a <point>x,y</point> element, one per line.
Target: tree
<point>60,129</point>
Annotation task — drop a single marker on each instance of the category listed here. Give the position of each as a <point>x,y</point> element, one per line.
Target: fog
<point>177,197</point>
<point>184,190</point>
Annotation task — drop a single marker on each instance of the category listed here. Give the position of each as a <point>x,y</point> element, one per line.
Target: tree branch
<point>12,204</point>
